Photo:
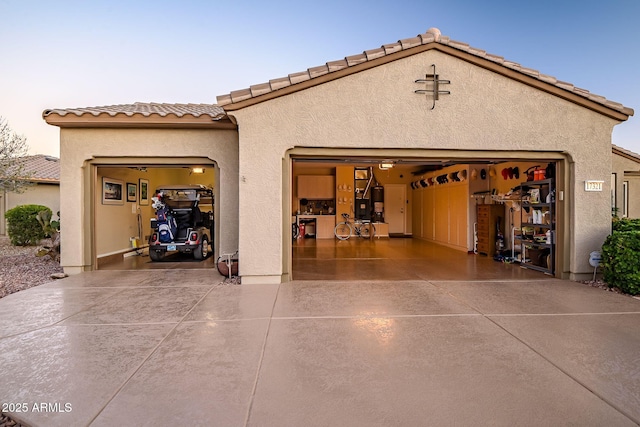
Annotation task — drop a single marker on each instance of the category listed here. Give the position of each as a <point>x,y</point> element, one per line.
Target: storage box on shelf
<point>537,230</point>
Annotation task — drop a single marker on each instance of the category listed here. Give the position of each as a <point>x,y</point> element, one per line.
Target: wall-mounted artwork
<point>112,191</point>
<point>132,192</point>
<point>144,191</point>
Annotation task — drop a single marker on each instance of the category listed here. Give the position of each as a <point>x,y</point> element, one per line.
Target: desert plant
<point>23,226</point>
<point>621,261</point>
<point>52,230</point>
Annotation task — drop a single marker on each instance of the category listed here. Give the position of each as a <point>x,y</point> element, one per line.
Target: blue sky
<point>89,53</point>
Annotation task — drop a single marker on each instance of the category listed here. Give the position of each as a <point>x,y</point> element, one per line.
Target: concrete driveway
<point>122,348</point>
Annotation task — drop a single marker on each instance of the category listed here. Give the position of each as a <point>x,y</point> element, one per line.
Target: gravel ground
<point>21,269</point>
<point>5,421</point>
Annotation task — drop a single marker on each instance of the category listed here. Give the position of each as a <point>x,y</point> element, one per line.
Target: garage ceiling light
<point>387,164</point>
<point>197,170</point>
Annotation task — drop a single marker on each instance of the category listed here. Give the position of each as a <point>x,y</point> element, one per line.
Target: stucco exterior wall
<point>378,108</point>
<point>81,149</point>
<point>620,165</point>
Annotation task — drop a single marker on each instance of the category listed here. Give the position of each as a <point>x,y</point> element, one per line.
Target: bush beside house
<point>23,226</point>
<point>621,256</point>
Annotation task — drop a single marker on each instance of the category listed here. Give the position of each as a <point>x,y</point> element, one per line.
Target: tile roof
<point>626,153</point>
<point>144,109</point>
<point>432,35</point>
<point>41,168</point>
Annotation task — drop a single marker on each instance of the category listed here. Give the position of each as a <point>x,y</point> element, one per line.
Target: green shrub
<point>621,261</point>
<point>626,224</point>
<point>24,228</point>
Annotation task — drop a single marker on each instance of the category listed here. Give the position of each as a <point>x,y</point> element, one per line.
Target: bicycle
<point>345,229</point>
<point>295,231</point>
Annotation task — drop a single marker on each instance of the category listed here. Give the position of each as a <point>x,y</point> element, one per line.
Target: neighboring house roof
<point>625,153</point>
<point>432,39</point>
<point>40,168</point>
<point>140,114</point>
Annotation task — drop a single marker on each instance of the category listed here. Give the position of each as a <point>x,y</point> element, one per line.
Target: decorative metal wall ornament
<point>432,86</point>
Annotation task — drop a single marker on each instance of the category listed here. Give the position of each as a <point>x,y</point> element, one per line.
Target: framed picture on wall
<point>112,191</point>
<point>144,191</point>
<point>132,192</point>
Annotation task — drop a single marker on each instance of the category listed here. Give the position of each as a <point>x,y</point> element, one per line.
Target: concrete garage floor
<point>141,261</point>
<point>177,347</point>
<point>362,259</point>
<point>396,259</point>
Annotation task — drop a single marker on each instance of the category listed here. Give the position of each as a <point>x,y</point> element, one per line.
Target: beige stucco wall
<point>378,109</point>
<point>83,150</point>
<point>620,165</point>
<point>634,196</point>
<point>39,194</point>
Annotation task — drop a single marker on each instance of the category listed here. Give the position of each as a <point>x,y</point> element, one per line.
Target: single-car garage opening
<point>154,216</point>
<point>487,218</point>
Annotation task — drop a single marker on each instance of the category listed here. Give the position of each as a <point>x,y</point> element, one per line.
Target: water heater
<point>377,199</point>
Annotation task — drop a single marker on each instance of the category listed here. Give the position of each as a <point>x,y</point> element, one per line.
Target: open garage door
<point>125,218</point>
<point>435,218</point>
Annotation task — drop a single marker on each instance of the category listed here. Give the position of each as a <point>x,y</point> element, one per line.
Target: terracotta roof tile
<point>318,71</point>
<point>412,42</point>
<point>299,77</point>
<point>512,65</point>
<point>433,35</point>
<point>427,38</point>
<point>240,95</point>
<point>356,59</point>
<point>565,85</point>
<point>226,99</point>
<point>477,52</point>
<point>337,65</point>
<point>495,58</point>
<point>374,53</point>
<point>392,48</point>
<point>548,79</point>
<point>41,168</point>
<point>144,109</point>
<point>259,89</point>
<point>280,83</point>
<point>459,45</point>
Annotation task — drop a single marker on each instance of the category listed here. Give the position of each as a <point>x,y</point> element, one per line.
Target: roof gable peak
<point>354,63</point>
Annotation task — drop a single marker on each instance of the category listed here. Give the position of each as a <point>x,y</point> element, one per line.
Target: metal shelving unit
<point>537,228</point>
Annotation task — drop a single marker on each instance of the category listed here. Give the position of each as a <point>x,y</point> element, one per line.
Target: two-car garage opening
<point>483,216</point>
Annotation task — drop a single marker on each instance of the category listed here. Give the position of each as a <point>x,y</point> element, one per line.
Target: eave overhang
<point>139,121</point>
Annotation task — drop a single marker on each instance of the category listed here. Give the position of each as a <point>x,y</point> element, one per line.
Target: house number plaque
<point>593,185</point>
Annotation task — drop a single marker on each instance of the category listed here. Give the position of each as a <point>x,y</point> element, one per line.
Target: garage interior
<point>444,219</point>
<point>426,219</point>
<point>123,225</point>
